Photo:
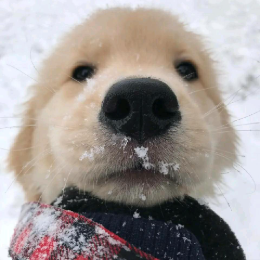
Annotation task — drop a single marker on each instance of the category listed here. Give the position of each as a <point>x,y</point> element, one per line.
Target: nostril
<point>162,109</point>
<point>117,109</point>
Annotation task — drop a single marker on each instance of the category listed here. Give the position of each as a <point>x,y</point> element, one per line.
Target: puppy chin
<point>137,190</point>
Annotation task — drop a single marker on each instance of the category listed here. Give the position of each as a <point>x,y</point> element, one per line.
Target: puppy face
<point>127,108</point>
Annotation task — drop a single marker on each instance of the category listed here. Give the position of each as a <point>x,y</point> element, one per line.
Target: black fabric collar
<point>215,236</point>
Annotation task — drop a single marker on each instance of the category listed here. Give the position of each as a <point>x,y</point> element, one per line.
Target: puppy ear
<point>20,154</point>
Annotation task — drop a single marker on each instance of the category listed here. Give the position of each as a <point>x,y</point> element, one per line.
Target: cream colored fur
<point>62,143</point>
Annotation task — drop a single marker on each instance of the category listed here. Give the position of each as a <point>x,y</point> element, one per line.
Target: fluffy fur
<point>62,143</point>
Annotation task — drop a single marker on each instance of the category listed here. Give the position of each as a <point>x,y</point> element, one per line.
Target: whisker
<point>32,60</point>
<point>223,151</point>
<point>22,72</point>
<point>253,123</point>
<point>220,104</point>
<point>244,97</point>
<point>65,184</point>
<point>77,81</point>
<point>19,150</point>
<point>238,164</point>
<point>199,90</point>
<point>47,185</point>
<point>236,120</point>
<point>20,126</point>
<point>32,163</point>
<point>233,126</point>
<point>224,197</point>
<point>35,159</point>
<point>18,117</point>
<point>220,130</point>
<point>246,116</point>
<point>237,130</point>
<point>15,126</point>
<point>50,89</point>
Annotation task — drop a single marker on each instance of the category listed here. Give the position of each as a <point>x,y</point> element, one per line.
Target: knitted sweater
<point>177,229</point>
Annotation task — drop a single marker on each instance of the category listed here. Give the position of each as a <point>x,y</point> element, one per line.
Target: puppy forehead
<point>120,30</point>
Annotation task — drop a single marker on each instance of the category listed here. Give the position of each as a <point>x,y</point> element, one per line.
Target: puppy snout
<point>140,108</point>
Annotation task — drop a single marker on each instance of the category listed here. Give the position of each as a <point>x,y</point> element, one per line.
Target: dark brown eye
<point>187,71</point>
<point>82,73</point>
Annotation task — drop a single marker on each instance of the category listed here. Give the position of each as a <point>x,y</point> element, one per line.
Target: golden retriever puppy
<point>128,108</point>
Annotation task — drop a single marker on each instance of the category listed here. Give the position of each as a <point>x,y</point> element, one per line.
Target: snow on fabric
<point>47,233</point>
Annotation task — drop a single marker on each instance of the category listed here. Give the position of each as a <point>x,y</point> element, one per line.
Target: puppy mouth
<point>139,175</point>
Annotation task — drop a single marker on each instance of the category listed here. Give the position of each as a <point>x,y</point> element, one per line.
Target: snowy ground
<point>29,29</point>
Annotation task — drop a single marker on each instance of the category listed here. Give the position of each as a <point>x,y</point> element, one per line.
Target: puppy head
<point>127,108</point>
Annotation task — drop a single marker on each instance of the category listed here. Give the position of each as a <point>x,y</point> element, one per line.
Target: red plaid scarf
<point>47,233</point>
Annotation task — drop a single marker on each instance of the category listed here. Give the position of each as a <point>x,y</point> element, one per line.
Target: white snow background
<point>30,28</point>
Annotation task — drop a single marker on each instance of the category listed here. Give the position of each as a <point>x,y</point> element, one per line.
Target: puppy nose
<point>141,108</point>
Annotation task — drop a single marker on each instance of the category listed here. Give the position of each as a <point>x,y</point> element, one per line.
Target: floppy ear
<point>20,154</point>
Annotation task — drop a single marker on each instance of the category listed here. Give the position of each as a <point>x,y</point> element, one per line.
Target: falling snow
<point>29,30</point>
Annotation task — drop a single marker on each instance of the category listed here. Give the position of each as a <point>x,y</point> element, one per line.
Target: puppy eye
<point>83,72</point>
<point>187,71</point>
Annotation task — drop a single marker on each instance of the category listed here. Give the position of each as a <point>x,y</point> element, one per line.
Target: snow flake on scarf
<point>47,233</point>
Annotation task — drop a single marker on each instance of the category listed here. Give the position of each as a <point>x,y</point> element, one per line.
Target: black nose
<point>140,108</point>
